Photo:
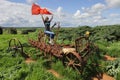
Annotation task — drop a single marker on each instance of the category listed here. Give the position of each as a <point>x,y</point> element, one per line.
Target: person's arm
<point>42,18</point>
<point>51,18</point>
<point>53,25</point>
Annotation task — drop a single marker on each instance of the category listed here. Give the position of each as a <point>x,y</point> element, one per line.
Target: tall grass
<point>114,49</point>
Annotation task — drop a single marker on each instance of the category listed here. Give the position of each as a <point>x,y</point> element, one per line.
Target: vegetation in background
<point>1,30</point>
<point>12,31</point>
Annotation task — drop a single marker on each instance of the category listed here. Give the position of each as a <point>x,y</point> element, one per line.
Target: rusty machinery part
<point>85,47</point>
<point>90,50</point>
<point>15,46</point>
<point>40,36</point>
<point>54,50</point>
<point>82,45</point>
<point>73,60</point>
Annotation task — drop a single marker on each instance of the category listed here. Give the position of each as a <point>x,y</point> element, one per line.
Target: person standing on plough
<point>36,10</point>
<point>48,31</point>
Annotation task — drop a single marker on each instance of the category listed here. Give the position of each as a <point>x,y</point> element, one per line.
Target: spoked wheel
<point>15,46</point>
<point>73,60</point>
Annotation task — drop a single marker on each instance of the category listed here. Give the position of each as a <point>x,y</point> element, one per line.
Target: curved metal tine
<point>19,44</point>
<point>66,63</point>
<point>68,58</point>
<point>75,59</point>
<point>15,45</point>
<point>77,64</point>
<point>76,69</point>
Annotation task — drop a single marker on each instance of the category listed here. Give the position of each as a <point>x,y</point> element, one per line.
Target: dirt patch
<point>29,60</point>
<point>56,74</point>
<point>107,57</point>
<point>104,77</point>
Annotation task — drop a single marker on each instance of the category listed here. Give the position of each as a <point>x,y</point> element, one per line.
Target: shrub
<point>1,30</point>
<point>27,31</point>
<point>113,67</point>
<point>24,32</point>
<point>118,76</point>
<point>12,31</point>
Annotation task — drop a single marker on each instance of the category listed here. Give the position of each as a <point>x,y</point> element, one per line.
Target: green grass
<point>66,72</point>
<point>111,49</point>
<point>15,68</point>
<point>114,49</point>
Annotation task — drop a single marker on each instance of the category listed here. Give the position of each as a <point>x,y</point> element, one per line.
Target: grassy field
<point>15,67</point>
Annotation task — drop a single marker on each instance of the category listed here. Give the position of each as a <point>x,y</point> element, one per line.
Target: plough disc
<point>73,60</point>
<point>15,46</point>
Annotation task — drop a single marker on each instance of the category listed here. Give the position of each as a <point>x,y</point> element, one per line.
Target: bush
<point>118,76</point>
<point>113,67</point>
<point>12,31</point>
<point>27,31</point>
<point>24,32</point>
<point>1,30</point>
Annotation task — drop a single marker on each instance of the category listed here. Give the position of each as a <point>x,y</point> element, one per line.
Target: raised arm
<point>51,18</point>
<point>42,18</point>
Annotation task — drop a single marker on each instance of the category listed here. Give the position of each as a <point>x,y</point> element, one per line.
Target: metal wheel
<point>15,46</point>
<point>73,60</point>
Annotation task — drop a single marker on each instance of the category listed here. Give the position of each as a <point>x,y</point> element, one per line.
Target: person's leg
<point>51,36</point>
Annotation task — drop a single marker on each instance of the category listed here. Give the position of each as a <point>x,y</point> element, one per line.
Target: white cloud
<point>94,15</point>
<point>60,12</point>
<point>114,15</point>
<point>113,3</point>
<point>77,14</point>
<point>95,10</point>
<point>59,9</point>
<point>17,15</point>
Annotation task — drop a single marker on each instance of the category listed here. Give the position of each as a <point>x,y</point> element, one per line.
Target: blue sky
<point>69,5</point>
<point>68,12</point>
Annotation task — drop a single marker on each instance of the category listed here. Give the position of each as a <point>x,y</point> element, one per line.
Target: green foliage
<point>10,67</point>
<point>118,76</point>
<point>92,64</point>
<point>1,30</point>
<point>114,49</point>
<point>15,68</point>
<point>12,31</point>
<point>33,52</point>
<point>26,31</point>
<point>37,72</point>
<point>113,67</point>
<point>67,72</point>
<point>107,33</point>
